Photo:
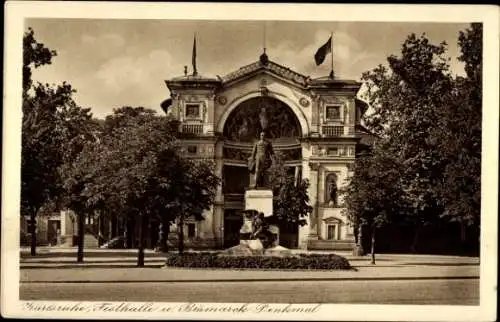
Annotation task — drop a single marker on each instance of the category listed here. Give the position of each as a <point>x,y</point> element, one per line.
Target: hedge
<point>215,260</point>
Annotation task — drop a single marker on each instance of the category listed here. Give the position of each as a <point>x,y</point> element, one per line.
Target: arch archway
<point>236,103</point>
<point>262,114</point>
<point>241,125</point>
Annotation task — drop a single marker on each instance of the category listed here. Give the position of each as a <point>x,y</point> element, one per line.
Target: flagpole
<point>265,40</point>
<point>195,70</point>
<point>331,49</point>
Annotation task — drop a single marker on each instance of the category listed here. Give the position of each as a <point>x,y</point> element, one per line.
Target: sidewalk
<point>128,275</point>
<point>109,266</point>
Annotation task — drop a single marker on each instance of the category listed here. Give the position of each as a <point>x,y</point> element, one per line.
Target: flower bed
<point>214,260</point>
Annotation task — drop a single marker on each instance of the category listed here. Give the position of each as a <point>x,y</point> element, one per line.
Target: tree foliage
<point>291,200</point>
<point>35,54</point>
<point>136,171</point>
<point>461,143</point>
<point>54,129</point>
<point>425,163</point>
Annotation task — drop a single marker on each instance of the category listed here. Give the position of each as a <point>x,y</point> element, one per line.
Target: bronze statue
<point>260,160</point>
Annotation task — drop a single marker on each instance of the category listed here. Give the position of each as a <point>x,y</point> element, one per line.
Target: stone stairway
<point>89,241</point>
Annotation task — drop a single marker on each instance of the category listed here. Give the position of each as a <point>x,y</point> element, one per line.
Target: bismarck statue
<point>260,160</point>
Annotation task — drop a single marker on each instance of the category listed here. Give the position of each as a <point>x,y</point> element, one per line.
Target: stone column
<point>315,110</point>
<point>349,228</point>
<point>218,208</point>
<point>304,230</point>
<point>63,215</point>
<point>320,196</point>
<point>209,116</point>
<point>313,199</point>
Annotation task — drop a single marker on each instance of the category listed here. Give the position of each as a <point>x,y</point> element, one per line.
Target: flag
<point>324,50</point>
<point>195,72</point>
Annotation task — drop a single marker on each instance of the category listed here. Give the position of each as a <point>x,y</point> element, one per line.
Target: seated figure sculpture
<point>260,230</point>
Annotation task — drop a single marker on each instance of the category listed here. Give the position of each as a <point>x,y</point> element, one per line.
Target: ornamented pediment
<point>332,220</point>
<point>271,68</point>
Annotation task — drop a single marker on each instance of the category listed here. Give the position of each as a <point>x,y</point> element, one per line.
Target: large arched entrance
<point>241,130</point>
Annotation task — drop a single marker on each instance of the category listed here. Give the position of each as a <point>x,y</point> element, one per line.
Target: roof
<point>192,81</point>
<point>193,78</point>
<point>266,65</point>
<point>328,83</point>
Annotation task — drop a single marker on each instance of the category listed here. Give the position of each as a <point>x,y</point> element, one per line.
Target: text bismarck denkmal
<point>124,307</point>
<point>249,308</point>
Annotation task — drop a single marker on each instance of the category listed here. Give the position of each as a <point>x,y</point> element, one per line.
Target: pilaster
<point>218,208</point>
<point>313,199</point>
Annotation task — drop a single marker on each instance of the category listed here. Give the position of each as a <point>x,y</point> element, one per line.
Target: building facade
<point>313,124</point>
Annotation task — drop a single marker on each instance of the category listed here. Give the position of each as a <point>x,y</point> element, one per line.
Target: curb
<point>90,266</point>
<point>320,279</point>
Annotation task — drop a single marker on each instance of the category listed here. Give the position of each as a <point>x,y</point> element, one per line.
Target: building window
<point>331,189</point>
<point>332,232</point>
<point>332,112</point>
<point>193,111</point>
<point>192,149</point>
<point>191,230</point>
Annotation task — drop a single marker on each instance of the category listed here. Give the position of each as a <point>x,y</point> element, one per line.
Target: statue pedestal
<point>260,200</point>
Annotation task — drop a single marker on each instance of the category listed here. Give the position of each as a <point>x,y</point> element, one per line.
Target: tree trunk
<point>373,246</point>
<point>33,232</point>
<point>149,237</point>
<point>140,246</point>
<point>125,232</point>
<point>81,236</point>
<point>413,247</point>
<point>164,230</point>
<point>180,231</point>
<point>463,232</point>
<point>130,232</point>
<point>110,229</point>
<point>99,230</point>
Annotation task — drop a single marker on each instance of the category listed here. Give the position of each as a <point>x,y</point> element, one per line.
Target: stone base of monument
<point>260,200</point>
<point>254,247</point>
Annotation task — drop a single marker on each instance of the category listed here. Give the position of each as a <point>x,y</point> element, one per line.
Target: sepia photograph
<point>168,161</point>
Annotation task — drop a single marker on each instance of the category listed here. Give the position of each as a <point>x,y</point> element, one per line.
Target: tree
<point>461,187</point>
<point>139,173</point>
<point>53,129</point>
<point>374,195</point>
<point>291,202</point>
<point>135,145</point>
<point>428,125</point>
<point>78,174</point>
<point>35,54</point>
<point>195,190</point>
<point>37,174</point>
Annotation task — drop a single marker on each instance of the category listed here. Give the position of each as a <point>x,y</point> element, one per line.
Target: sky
<point>114,63</point>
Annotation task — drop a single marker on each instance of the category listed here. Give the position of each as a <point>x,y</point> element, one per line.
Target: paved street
<point>112,276</point>
<point>463,292</point>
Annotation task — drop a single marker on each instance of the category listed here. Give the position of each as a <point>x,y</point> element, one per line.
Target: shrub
<point>215,260</point>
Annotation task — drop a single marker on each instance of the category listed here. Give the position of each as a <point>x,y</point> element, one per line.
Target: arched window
<point>331,189</point>
<point>258,114</point>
